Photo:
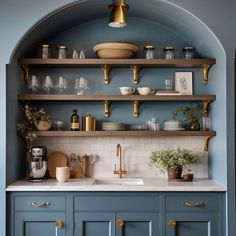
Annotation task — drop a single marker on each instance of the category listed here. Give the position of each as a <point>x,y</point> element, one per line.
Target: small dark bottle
<point>74,122</point>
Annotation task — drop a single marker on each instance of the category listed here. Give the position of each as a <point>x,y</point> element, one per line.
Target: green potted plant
<point>173,160</point>
<point>191,113</point>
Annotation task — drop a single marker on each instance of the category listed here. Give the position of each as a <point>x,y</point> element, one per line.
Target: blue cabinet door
<point>94,224</point>
<point>194,224</point>
<point>137,224</point>
<point>38,224</point>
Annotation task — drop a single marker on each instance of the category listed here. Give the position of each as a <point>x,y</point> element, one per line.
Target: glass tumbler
<point>34,84</point>
<point>168,85</point>
<point>47,84</point>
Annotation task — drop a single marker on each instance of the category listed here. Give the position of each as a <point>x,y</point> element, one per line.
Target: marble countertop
<point>157,184</point>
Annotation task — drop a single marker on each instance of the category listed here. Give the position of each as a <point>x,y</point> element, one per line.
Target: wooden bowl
<point>115,50</point>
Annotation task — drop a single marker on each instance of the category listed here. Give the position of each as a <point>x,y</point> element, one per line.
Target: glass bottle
<point>62,52</point>
<point>149,51</point>
<point>169,52</point>
<point>45,51</point>
<point>188,52</point>
<point>74,121</point>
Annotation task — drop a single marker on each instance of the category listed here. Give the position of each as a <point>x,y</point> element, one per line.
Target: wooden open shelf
<point>56,97</point>
<point>207,135</point>
<point>107,64</point>
<point>54,62</point>
<point>123,133</point>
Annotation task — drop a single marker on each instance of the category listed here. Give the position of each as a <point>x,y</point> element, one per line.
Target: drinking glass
<point>34,84</point>
<point>81,86</point>
<point>47,84</point>
<point>61,84</point>
<point>168,85</point>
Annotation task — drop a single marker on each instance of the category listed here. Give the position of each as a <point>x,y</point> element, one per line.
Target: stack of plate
<point>109,126</point>
<point>172,125</point>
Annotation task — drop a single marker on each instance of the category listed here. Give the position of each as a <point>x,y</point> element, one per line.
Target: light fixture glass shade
<point>117,17</point>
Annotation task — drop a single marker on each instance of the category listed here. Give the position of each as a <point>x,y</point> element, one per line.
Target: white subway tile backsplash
<point>135,152</point>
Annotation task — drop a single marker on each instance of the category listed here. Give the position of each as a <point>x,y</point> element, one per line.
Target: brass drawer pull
<point>196,204</point>
<point>40,204</point>
<point>172,223</point>
<point>120,222</point>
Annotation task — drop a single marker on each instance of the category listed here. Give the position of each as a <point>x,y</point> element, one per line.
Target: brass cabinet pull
<point>172,223</point>
<point>120,222</point>
<point>40,204</point>
<point>58,224</point>
<point>194,204</point>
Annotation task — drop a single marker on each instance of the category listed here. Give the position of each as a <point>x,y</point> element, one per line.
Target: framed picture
<point>184,82</point>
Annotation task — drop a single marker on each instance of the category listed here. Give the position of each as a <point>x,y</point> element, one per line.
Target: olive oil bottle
<point>74,121</point>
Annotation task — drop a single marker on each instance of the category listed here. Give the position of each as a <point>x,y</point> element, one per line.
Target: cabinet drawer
<point>39,203</point>
<point>192,202</point>
<point>116,203</point>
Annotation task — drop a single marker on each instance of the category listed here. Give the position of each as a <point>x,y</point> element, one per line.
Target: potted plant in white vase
<point>173,160</point>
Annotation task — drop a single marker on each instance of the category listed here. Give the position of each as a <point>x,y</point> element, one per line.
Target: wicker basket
<point>115,50</point>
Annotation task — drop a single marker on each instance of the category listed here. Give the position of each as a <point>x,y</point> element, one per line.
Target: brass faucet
<point>119,172</point>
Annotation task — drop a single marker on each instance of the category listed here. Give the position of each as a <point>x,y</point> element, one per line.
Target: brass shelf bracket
<point>205,70</point>
<point>206,142</point>
<point>136,108</point>
<point>106,71</point>
<point>172,223</point>
<point>205,106</point>
<point>120,222</point>
<point>135,70</point>
<point>25,69</point>
<point>106,108</point>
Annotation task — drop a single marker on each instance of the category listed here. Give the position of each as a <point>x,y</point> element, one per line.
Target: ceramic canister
<point>88,123</point>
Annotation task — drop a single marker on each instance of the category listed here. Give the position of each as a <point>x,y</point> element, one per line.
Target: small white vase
<point>43,125</point>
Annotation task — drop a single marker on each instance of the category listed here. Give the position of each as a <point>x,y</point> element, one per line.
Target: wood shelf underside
<point>123,133</point>
<point>163,63</point>
<point>39,97</point>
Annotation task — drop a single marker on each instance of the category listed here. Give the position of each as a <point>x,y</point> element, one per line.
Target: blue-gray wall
<point>17,17</point>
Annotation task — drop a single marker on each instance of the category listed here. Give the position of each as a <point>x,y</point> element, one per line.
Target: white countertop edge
<point>150,185</point>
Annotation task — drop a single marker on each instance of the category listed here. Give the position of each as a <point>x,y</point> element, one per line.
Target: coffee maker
<point>38,164</point>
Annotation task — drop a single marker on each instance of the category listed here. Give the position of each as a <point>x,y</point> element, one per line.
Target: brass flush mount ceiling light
<point>117,17</point>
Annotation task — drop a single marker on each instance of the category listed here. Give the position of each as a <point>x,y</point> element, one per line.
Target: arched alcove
<point>158,22</point>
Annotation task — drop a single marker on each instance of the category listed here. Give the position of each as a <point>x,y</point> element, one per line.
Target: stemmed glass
<point>34,84</point>
<point>61,84</point>
<point>47,84</point>
<point>81,86</point>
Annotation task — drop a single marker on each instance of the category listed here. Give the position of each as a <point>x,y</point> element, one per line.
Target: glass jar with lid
<point>45,51</point>
<point>188,52</point>
<point>169,52</point>
<point>149,51</point>
<point>61,51</point>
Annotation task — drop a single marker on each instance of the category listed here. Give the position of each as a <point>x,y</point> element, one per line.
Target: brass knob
<point>40,204</point>
<point>58,224</point>
<point>172,223</point>
<point>120,222</point>
<point>192,204</point>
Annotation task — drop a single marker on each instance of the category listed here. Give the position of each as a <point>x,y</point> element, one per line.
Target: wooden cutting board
<point>56,159</point>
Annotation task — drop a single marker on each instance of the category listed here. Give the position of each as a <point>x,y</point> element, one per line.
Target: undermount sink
<point>124,181</point>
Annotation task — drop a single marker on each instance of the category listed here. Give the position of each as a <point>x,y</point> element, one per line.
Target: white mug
<point>62,174</point>
<point>127,90</point>
<point>145,90</point>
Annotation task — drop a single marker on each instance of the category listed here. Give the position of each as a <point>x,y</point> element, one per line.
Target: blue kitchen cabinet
<point>117,214</point>
<point>38,214</point>
<point>195,214</point>
<point>94,223</point>
<point>119,224</point>
<point>137,224</point>
<point>39,224</point>
<point>194,224</point>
